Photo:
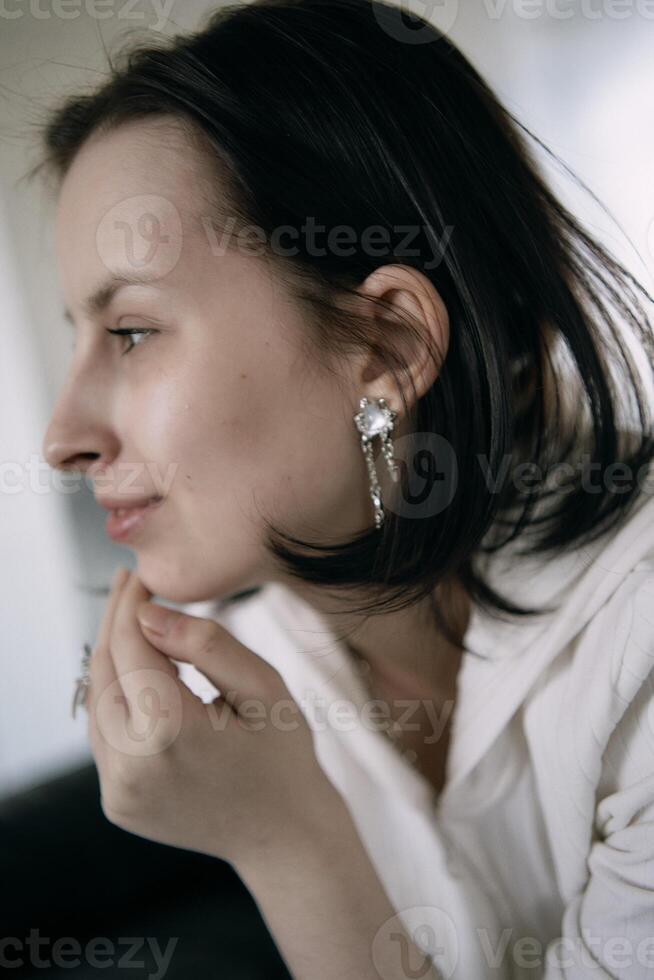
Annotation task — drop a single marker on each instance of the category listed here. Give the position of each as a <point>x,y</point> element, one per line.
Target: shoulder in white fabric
<point>590,728</point>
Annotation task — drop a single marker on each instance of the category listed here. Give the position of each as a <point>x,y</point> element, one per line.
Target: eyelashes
<point>128,332</point>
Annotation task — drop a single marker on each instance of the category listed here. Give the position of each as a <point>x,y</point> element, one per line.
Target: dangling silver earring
<point>377,419</point>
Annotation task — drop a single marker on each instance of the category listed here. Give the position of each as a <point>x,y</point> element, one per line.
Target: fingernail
<point>156,619</point>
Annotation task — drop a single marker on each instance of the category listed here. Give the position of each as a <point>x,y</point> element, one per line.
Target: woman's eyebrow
<point>100,298</point>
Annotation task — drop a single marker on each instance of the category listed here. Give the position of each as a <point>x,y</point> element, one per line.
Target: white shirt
<point>537,860</point>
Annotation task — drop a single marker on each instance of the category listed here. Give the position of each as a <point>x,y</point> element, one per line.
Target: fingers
<point>130,649</point>
<point>102,672</point>
<point>237,672</point>
<point>136,707</point>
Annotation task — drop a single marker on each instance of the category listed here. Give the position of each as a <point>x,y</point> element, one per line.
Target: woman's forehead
<point>127,165</point>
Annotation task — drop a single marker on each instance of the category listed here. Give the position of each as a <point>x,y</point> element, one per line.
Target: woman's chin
<point>171,586</point>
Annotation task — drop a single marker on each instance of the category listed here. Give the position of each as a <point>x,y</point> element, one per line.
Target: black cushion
<point>66,871</point>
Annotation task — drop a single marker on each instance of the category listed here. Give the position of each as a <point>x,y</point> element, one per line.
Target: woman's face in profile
<point>217,410</point>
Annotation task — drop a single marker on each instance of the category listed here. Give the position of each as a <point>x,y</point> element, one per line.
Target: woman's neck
<point>405,649</point>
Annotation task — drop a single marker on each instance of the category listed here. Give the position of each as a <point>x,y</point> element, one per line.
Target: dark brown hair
<point>317,108</point>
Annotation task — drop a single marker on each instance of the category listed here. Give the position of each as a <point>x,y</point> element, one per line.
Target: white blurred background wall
<point>41,615</point>
<point>578,73</point>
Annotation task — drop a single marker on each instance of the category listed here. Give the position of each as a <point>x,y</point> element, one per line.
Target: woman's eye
<point>128,332</point>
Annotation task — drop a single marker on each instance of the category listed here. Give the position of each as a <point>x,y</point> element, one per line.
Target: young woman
<point>379,407</point>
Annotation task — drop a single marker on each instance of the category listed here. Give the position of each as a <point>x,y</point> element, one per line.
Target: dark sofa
<point>66,871</point>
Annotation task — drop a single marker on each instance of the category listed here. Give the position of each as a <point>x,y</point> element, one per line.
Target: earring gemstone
<point>374,418</point>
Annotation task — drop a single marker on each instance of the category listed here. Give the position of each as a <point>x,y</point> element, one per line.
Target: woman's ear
<point>411,295</point>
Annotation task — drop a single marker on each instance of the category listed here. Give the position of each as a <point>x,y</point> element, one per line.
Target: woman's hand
<point>228,778</point>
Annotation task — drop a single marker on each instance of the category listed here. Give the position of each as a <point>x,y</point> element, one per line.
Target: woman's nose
<point>70,445</point>
<point>63,456</point>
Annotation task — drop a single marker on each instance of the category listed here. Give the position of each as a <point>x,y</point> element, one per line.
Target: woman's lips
<point>123,523</point>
